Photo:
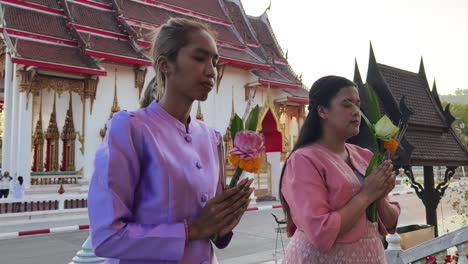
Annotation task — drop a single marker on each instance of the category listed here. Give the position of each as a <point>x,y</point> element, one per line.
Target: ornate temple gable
<point>376,79</point>
<point>266,36</point>
<point>282,75</point>
<point>239,18</point>
<point>434,100</point>
<point>449,118</point>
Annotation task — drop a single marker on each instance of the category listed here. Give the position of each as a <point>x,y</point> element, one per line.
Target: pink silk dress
<point>316,184</point>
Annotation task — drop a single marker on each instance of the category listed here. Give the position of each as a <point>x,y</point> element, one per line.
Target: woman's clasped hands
<point>222,213</point>
<point>380,182</point>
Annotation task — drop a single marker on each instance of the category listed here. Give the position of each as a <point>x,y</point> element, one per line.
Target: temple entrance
<point>273,140</point>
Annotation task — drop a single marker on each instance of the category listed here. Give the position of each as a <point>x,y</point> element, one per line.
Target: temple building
<point>429,141</point>
<point>68,65</point>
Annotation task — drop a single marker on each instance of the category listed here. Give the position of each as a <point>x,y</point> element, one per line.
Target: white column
<point>6,144</point>
<point>24,138</point>
<point>14,123</point>
<point>91,134</point>
<point>86,254</point>
<point>274,158</point>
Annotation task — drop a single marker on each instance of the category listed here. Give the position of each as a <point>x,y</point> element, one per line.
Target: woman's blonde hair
<point>172,36</point>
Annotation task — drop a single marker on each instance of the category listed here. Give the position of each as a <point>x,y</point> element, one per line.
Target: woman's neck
<point>177,107</point>
<point>334,144</point>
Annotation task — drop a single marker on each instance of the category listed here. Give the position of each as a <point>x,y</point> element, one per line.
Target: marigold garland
<point>391,145</point>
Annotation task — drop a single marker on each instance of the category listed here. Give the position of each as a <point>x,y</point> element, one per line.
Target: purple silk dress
<point>152,173</point>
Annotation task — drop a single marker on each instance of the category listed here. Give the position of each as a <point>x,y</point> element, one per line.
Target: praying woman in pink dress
<point>323,189</point>
<point>156,195</point>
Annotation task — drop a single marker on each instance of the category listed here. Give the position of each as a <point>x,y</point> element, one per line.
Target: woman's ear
<point>162,64</point>
<point>321,112</point>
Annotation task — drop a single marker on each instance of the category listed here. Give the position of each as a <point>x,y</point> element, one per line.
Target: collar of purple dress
<point>161,112</point>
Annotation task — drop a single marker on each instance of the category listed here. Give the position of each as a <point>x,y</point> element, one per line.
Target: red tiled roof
<point>286,71</point>
<point>111,46</point>
<point>266,37</point>
<point>36,22</point>
<point>96,28</point>
<point>240,22</point>
<point>158,16</point>
<point>240,55</point>
<point>71,56</point>
<point>207,7</point>
<point>297,93</point>
<point>409,84</point>
<point>107,2</point>
<point>271,76</point>
<point>47,3</point>
<point>436,149</point>
<point>93,17</point>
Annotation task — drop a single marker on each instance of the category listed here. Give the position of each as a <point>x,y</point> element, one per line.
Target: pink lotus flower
<point>247,144</point>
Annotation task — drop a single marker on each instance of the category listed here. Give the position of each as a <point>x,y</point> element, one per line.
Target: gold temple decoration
<point>90,88</point>
<point>228,143</point>
<point>52,137</point>
<point>140,75</point>
<point>84,88</point>
<point>115,107</point>
<point>59,85</point>
<point>26,84</point>
<point>38,143</point>
<point>2,63</point>
<point>269,106</point>
<point>199,112</point>
<point>220,70</point>
<point>68,138</point>
<point>263,179</point>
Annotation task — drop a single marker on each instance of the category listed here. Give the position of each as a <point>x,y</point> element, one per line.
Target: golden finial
<point>199,112</point>
<point>115,103</point>
<point>233,112</point>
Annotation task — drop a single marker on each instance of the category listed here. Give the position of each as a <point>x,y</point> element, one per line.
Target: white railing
<point>436,247</point>
<point>43,203</point>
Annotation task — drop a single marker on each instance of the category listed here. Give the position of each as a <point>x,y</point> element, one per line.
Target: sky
<point>325,37</point>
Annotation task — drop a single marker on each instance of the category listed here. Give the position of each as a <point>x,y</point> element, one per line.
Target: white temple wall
<point>7,125</point>
<point>14,123</point>
<point>217,108</point>
<point>23,144</point>
<point>127,96</point>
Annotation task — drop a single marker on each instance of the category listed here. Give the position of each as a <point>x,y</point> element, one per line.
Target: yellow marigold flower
<point>251,165</point>
<point>234,159</point>
<point>391,145</point>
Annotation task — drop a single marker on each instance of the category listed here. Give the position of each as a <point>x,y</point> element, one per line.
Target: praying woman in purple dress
<point>156,195</point>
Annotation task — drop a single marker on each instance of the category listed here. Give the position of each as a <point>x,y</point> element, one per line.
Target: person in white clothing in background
<point>5,184</point>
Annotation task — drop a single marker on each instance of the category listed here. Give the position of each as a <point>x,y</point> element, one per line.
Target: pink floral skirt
<point>368,249</point>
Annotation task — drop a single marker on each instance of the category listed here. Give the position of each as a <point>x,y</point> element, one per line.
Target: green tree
<point>460,112</point>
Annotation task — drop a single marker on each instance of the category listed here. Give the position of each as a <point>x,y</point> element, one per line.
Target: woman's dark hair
<point>321,93</point>
<point>20,180</point>
<point>172,36</point>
